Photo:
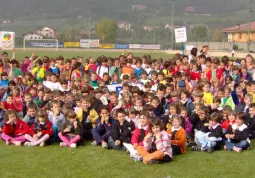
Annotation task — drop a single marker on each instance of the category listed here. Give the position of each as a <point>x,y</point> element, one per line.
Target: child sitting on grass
<point>120,132</point>
<point>40,131</point>
<point>213,136</point>
<point>71,132</point>
<point>178,136</point>
<point>56,118</point>
<point>237,135</point>
<point>14,129</point>
<point>87,116</point>
<point>156,144</point>
<point>103,127</point>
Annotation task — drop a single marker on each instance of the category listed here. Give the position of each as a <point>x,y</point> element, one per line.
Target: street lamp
<point>89,13</point>
<point>173,25</point>
<point>249,28</point>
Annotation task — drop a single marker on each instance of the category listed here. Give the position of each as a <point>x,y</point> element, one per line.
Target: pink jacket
<point>163,144</point>
<point>188,126</point>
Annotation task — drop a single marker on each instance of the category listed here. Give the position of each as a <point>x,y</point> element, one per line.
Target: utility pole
<point>89,13</point>
<point>249,28</point>
<point>89,24</point>
<point>173,25</point>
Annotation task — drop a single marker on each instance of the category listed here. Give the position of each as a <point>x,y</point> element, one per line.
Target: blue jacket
<point>248,77</point>
<point>103,128</point>
<point>235,97</point>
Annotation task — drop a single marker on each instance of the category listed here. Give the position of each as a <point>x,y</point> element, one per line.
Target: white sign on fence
<point>86,43</point>
<point>144,46</point>
<point>7,40</point>
<point>180,35</point>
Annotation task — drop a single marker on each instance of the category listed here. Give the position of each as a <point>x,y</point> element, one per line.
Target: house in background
<point>169,26</point>
<point>125,25</point>
<point>239,33</point>
<point>46,32</point>
<point>32,36</point>
<point>41,33</point>
<point>150,28</point>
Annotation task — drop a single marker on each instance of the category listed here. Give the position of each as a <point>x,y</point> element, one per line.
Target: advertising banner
<point>7,40</point>
<point>106,46</point>
<point>86,43</point>
<point>71,44</point>
<point>144,46</point>
<point>46,44</point>
<point>121,46</point>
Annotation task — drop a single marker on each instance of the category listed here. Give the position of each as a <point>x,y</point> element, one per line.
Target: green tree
<point>106,30</point>
<point>199,33</point>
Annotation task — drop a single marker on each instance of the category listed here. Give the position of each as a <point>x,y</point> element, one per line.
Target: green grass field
<point>20,54</point>
<point>93,162</point>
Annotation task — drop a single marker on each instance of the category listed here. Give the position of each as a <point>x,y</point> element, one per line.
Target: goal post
<point>41,43</point>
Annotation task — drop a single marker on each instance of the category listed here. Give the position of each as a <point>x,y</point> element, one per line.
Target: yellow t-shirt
<point>208,98</point>
<point>253,96</point>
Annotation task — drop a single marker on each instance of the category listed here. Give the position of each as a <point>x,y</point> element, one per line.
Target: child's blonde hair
<point>9,112</point>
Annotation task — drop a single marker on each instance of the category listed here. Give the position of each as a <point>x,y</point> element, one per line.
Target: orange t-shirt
<point>127,70</point>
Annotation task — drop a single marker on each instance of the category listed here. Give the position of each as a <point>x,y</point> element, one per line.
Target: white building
<point>46,32</point>
<point>124,25</point>
<point>32,36</point>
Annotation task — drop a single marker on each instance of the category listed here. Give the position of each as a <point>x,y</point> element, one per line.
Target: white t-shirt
<point>52,86</point>
<point>101,70</point>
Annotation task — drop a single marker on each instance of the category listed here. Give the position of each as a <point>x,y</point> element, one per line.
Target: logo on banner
<point>7,37</point>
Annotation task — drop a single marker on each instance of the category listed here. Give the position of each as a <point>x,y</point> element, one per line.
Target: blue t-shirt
<point>138,72</point>
<point>4,84</point>
<point>54,70</point>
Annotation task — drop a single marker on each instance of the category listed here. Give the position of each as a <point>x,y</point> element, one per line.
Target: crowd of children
<point>152,109</point>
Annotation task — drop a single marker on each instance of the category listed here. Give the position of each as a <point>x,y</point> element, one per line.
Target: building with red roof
<point>239,33</point>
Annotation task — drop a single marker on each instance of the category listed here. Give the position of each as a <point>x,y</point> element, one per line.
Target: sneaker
<point>104,145</point>
<point>42,144</point>
<point>236,149</point>
<point>26,143</point>
<point>94,143</point>
<point>73,145</point>
<point>191,143</point>
<point>137,158</point>
<point>196,148</point>
<point>62,144</point>
<point>153,161</point>
<point>16,143</point>
<point>210,150</point>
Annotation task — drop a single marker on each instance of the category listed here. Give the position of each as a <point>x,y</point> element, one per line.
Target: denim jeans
<point>55,131</point>
<point>111,143</point>
<point>242,144</point>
